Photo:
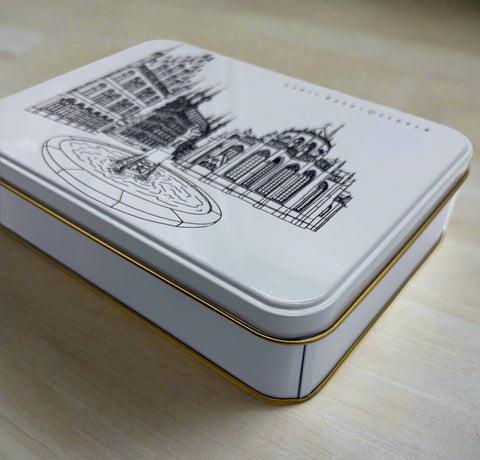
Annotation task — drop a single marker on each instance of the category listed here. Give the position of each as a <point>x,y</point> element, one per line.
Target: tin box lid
<point>275,199</point>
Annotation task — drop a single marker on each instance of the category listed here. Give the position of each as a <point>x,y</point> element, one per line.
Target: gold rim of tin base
<point>171,338</point>
<point>222,311</point>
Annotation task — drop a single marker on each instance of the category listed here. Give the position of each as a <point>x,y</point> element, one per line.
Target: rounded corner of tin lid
<point>467,144</point>
<point>300,321</point>
<point>294,307</point>
<point>456,141</point>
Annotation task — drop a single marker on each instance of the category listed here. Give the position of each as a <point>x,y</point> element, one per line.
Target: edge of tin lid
<point>221,310</point>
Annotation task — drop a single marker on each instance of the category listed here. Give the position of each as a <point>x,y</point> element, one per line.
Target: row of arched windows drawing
<point>255,173</point>
<point>71,110</point>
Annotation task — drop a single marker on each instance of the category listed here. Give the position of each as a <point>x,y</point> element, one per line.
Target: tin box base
<point>281,371</point>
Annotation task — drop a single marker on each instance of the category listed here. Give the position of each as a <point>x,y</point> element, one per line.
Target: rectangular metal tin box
<point>262,222</point>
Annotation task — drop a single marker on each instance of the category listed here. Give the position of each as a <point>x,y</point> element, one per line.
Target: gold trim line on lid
<point>218,309</point>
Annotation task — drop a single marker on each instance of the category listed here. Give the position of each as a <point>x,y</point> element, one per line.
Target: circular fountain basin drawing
<point>141,189</point>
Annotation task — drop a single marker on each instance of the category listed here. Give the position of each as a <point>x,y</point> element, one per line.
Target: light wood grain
<point>80,378</point>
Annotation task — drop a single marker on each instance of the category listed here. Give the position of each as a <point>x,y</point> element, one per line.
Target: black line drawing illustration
<point>287,174</point>
<point>154,106</point>
<point>165,197</point>
<point>148,104</point>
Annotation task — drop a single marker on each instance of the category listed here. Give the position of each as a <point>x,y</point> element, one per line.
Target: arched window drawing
<point>217,157</point>
<point>77,114</point>
<point>262,172</point>
<point>298,141</point>
<point>207,158</point>
<point>323,164</point>
<point>81,113</point>
<point>87,118</point>
<point>324,147</point>
<point>307,200</point>
<point>278,179</point>
<point>100,120</point>
<point>66,107</point>
<point>230,153</point>
<point>292,186</point>
<point>247,165</point>
<point>326,210</point>
<point>55,106</point>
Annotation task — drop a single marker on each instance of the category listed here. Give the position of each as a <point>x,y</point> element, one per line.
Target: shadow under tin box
<point>261,222</point>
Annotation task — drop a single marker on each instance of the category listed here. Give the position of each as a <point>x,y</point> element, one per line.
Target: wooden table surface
<point>80,378</point>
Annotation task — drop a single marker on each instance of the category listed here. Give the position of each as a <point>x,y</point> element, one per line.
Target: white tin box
<point>262,222</point>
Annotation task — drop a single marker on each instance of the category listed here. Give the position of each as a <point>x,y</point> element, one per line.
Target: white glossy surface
<point>298,282</point>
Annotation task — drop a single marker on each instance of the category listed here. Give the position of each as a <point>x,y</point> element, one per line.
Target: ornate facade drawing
<point>289,174</point>
<point>148,104</point>
<point>154,106</point>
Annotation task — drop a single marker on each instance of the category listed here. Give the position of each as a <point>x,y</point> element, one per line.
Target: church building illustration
<point>154,106</point>
<point>290,174</point>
